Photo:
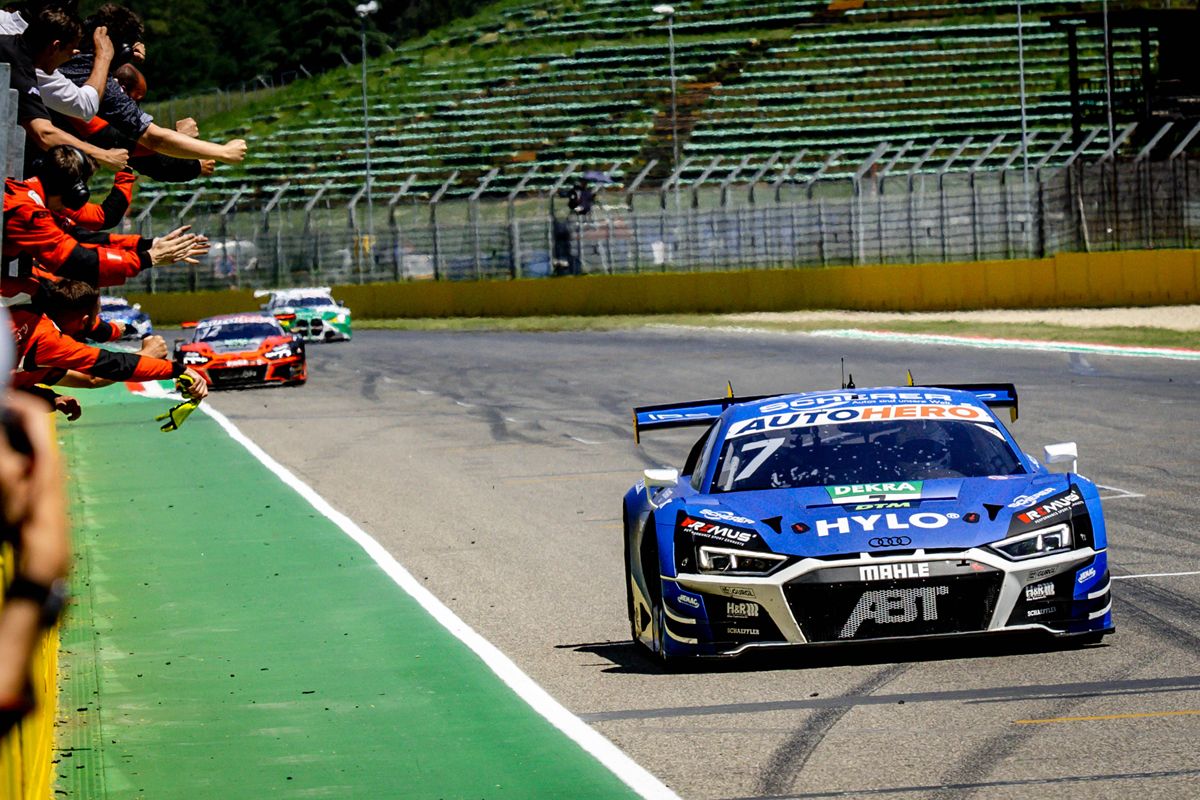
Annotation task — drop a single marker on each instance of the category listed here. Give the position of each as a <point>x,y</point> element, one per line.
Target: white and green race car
<point>310,312</point>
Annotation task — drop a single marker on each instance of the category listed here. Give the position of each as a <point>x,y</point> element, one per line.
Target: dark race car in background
<point>118,309</point>
<point>859,514</point>
<point>243,350</point>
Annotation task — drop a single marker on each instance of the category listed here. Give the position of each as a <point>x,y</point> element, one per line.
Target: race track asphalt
<point>492,466</point>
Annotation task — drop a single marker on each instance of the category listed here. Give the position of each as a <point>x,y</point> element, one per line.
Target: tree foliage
<point>197,45</point>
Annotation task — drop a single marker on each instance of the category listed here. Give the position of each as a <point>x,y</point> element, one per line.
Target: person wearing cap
<point>33,519</point>
<point>37,243</point>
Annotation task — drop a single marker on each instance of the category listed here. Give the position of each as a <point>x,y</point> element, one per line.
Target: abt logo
<point>894,607</point>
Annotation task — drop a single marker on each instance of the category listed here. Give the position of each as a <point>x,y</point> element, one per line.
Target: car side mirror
<point>1062,453</point>
<point>661,478</point>
<point>137,306</point>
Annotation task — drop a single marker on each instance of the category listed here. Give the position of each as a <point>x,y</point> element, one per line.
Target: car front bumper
<point>864,597</point>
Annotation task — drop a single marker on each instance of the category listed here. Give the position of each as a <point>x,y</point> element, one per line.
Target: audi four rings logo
<point>890,541</point>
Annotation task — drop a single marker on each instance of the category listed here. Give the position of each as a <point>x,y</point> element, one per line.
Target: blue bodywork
<point>117,309</point>
<point>894,558</point>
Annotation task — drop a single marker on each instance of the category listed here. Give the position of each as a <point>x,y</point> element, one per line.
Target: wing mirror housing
<point>1064,453</point>
<point>661,478</point>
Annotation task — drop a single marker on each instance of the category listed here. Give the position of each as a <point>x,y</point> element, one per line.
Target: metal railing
<point>951,209</point>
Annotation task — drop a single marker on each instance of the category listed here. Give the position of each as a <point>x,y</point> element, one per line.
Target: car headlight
<point>722,560</point>
<point>193,359</point>
<point>1042,542</point>
<point>280,351</point>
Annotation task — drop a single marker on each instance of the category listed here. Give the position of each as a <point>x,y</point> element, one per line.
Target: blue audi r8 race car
<point>859,514</point>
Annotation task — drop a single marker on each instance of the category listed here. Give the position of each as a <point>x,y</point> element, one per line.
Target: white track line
<point>608,754</point>
<point>1014,344</point>
<point>1154,575</point>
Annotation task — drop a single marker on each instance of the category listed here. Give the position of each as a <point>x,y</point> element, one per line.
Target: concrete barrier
<point>1096,280</point>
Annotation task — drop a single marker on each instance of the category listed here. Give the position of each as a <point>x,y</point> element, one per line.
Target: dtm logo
<point>724,516</point>
<point>712,530</point>
<point>883,572</point>
<point>1023,500</point>
<point>894,607</point>
<point>872,522</point>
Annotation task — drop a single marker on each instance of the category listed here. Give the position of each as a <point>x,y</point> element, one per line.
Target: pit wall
<point>1096,280</point>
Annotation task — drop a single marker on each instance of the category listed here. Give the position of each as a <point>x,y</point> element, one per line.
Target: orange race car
<point>243,350</point>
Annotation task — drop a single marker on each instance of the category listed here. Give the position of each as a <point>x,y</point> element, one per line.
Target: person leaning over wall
<point>47,44</point>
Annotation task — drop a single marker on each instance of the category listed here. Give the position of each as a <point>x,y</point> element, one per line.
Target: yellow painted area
<point>25,768</point>
<point>1095,280</point>
<point>1099,717</point>
<point>25,765</point>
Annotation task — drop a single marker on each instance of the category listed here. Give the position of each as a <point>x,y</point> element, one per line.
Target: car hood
<point>944,513</point>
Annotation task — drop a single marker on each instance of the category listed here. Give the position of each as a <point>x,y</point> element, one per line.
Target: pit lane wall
<point>1133,278</point>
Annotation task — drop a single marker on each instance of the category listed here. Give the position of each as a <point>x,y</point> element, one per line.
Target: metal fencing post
<point>809,188</point>
<point>139,225</point>
<point>777,192</point>
<point>726,246</point>
<point>1043,221</point>
<point>987,152</point>
<point>880,179</point>
<point>1147,199</point>
<point>1109,157</point>
<point>514,227</point>
<point>179,221</point>
<point>309,234</point>
<point>473,217</point>
<point>1179,203</point>
<point>856,207</point>
<point>690,226</point>
<point>636,225</point>
<point>360,248</point>
<point>265,227</point>
<point>672,181</point>
<point>395,228</point>
<point>941,173</point>
<point>1076,187</point>
<point>913,169</point>
<point>435,230</point>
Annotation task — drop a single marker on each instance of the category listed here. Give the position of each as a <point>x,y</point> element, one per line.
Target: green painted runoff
<point>227,641</point>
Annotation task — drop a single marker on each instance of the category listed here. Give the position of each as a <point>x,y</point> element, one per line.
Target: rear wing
<point>683,415</point>
<point>993,395</point>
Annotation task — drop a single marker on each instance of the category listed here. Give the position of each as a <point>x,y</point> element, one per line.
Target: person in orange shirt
<point>36,243</point>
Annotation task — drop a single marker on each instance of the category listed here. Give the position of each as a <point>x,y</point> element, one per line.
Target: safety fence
<point>1112,203</point>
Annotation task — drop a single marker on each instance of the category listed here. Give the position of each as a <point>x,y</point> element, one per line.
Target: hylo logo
<point>871,522</point>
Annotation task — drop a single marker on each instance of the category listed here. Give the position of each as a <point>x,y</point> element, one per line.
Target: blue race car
<point>859,514</point>
<point>118,309</point>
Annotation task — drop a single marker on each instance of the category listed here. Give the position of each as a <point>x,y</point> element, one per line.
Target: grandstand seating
<point>546,84</point>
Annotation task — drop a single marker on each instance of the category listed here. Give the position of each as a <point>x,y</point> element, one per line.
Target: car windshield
<point>217,331</point>
<point>864,452</point>
<point>304,301</point>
